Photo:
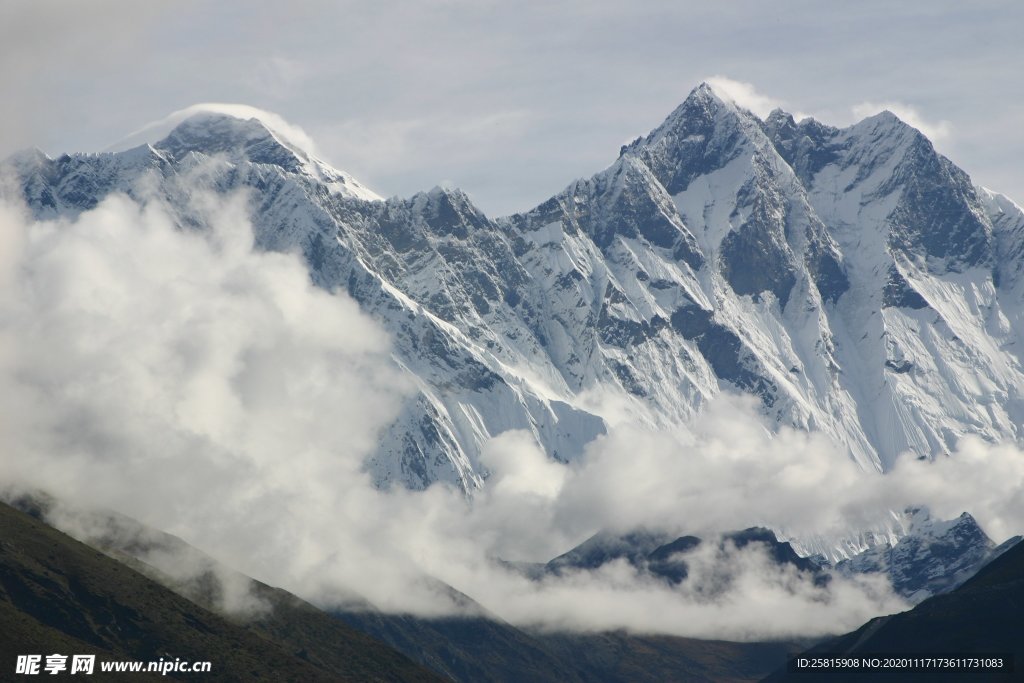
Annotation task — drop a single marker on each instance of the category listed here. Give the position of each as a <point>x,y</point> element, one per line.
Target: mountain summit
<point>242,133</point>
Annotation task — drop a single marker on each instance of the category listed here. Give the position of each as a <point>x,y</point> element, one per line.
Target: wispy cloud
<point>745,95</point>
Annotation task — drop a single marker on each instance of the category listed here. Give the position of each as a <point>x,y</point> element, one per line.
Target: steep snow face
<point>1008,275</point>
<point>851,279</point>
<point>922,333</point>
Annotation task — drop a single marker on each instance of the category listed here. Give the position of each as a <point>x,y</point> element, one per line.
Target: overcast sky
<point>510,101</point>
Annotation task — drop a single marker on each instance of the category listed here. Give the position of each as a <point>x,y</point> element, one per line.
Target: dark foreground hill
<point>60,596</point>
<point>984,616</point>
<point>481,649</point>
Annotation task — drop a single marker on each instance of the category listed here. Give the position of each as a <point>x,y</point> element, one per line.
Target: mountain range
<point>853,280</point>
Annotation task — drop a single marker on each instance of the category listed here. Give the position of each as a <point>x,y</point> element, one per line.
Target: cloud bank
<point>209,390</point>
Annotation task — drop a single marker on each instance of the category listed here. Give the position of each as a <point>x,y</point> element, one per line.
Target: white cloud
<point>729,593</point>
<point>744,94</point>
<point>936,131</point>
<point>187,380</point>
<point>519,470</point>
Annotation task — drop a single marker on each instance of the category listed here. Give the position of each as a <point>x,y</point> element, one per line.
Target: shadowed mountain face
<point>933,556</point>
<point>984,615</point>
<point>60,596</point>
<point>666,558</point>
<point>853,280</point>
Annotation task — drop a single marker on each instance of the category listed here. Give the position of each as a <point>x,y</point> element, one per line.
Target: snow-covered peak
<point>292,135</point>
<point>243,133</point>
<point>215,132</point>
<point>447,209</point>
<point>780,117</point>
<point>999,202</point>
<point>706,91</point>
<point>703,105</point>
<point>728,94</point>
<point>933,557</point>
<point>886,125</point>
<point>440,191</point>
<point>704,133</point>
<point>440,195</point>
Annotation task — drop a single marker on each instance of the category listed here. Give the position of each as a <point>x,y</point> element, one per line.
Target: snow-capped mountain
<point>933,556</point>
<point>853,280</point>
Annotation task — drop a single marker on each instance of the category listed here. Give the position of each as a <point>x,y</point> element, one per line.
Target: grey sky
<point>510,101</point>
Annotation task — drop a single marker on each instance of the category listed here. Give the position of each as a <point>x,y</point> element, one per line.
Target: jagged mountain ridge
<point>933,557</point>
<point>930,557</point>
<point>852,279</point>
<point>665,558</point>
